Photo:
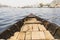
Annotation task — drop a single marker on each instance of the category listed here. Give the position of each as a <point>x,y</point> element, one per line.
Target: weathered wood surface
<point>41,27</point>
<point>38,35</point>
<point>14,37</point>
<point>28,36</point>
<point>32,32</point>
<point>48,35</point>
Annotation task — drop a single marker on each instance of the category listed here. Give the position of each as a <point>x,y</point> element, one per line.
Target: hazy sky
<point>23,2</point>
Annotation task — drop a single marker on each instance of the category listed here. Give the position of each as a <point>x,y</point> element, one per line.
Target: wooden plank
<point>41,27</point>
<point>48,35</point>
<point>28,36</point>
<point>14,37</point>
<point>29,27</point>
<point>35,27</point>
<point>32,19</point>
<point>38,35</point>
<point>24,28</point>
<point>32,22</point>
<point>21,36</point>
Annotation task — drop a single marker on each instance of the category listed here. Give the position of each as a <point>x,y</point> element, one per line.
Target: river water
<point>9,16</point>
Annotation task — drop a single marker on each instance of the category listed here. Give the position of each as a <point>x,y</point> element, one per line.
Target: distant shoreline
<point>29,7</point>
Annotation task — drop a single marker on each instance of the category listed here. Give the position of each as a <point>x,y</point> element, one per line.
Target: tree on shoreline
<point>41,4</point>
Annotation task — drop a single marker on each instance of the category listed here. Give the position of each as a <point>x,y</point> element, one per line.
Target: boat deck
<point>32,30</point>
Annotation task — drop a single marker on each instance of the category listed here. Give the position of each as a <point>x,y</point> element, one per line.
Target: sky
<point>23,2</point>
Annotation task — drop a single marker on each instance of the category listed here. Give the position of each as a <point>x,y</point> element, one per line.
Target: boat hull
<point>51,27</point>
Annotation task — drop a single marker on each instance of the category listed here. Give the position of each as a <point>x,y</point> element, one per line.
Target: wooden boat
<point>32,28</point>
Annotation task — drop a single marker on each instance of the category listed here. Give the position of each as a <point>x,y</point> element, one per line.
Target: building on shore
<point>55,3</point>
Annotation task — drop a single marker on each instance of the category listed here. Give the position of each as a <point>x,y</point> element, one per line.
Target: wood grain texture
<point>32,32</point>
